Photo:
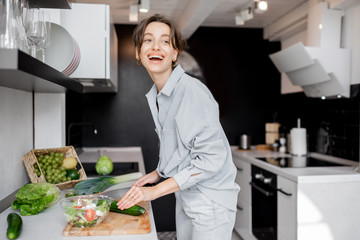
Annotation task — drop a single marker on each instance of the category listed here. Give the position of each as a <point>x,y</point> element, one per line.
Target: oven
<point>264,204</point>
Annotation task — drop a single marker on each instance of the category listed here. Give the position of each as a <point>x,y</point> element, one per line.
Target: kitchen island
<point>310,202</point>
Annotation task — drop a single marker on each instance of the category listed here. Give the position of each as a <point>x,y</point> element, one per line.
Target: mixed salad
<point>86,212</point>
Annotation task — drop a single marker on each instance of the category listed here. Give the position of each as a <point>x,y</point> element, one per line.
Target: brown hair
<point>177,40</point>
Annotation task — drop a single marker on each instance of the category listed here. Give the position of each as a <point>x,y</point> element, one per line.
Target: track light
<point>243,16</point>
<point>144,6</point>
<point>260,6</point>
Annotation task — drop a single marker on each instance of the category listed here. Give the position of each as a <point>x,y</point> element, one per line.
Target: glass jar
<point>12,32</point>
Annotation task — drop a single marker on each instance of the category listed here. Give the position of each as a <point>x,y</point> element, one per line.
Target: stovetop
<point>299,161</point>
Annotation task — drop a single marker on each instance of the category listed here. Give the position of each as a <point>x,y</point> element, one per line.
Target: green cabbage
<point>35,197</point>
<point>104,165</point>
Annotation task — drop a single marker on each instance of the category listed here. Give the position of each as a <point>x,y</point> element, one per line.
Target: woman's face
<point>156,52</point>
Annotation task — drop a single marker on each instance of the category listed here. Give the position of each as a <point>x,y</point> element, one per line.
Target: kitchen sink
<point>125,159</point>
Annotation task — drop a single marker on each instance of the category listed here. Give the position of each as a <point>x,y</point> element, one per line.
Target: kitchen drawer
<point>243,178</point>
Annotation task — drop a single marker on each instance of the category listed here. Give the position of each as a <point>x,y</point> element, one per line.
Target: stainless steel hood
<point>322,68</point>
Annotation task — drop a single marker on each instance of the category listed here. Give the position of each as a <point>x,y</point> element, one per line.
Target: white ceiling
<point>190,14</point>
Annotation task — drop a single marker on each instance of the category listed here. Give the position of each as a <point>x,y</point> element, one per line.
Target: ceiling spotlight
<point>144,6</point>
<point>260,6</point>
<point>243,16</point>
<point>133,14</point>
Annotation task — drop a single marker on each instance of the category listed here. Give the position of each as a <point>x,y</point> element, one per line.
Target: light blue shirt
<point>193,147</point>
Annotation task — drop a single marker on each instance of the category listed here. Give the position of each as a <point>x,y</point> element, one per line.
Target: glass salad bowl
<point>86,210</point>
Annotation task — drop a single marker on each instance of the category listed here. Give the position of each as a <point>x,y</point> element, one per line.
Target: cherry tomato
<point>77,207</point>
<point>90,214</point>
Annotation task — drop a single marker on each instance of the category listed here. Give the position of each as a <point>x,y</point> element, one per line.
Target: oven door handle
<point>260,189</point>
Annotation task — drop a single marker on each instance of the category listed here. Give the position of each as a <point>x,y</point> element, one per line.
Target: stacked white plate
<point>63,54</point>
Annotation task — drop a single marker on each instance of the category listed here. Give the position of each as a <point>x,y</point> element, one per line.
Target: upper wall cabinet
<point>21,71</point>
<point>91,26</point>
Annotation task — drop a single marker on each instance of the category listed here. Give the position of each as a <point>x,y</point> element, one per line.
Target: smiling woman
<point>195,157</point>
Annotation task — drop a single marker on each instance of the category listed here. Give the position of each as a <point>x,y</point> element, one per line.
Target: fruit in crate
<point>69,163</point>
<point>51,166</point>
<point>73,174</point>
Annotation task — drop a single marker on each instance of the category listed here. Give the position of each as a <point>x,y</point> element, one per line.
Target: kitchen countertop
<point>50,223</point>
<point>301,175</point>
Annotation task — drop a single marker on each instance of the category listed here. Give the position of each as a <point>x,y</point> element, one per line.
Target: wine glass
<point>45,43</point>
<point>20,33</point>
<point>36,29</point>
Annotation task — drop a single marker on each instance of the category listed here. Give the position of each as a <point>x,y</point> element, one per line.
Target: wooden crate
<point>30,161</point>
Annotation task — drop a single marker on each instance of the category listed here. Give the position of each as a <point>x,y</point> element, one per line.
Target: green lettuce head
<point>35,197</point>
<point>104,165</point>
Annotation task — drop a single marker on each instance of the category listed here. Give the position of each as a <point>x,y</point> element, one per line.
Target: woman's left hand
<point>135,195</point>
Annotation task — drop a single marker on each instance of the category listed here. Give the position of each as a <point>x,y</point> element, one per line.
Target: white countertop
<point>49,225</point>
<point>301,174</point>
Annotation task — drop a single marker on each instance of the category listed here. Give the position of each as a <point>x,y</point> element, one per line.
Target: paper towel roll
<point>298,141</point>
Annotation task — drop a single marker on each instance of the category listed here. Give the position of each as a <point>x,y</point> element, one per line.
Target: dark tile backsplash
<point>332,125</point>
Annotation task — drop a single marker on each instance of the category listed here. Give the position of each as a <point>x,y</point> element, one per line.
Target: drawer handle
<point>240,169</point>
<point>240,208</point>
<point>283,192</point>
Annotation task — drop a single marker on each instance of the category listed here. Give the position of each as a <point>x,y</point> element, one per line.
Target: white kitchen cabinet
<point>91,26</point>
<point>235,236</point>
<point>243,214</point>
<point>243,178</point>
<point>314,202</point>
<point>287,205</point>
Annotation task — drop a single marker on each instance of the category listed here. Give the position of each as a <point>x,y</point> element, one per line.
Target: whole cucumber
<point>14,226</point>
<point>135,210</point>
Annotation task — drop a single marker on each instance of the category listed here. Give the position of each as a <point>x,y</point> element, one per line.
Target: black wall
<point>242,79</point>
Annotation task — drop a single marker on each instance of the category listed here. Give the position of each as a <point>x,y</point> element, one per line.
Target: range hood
<point>322,68</point>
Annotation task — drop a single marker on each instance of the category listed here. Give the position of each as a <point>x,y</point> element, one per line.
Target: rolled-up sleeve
<point>197,123</point>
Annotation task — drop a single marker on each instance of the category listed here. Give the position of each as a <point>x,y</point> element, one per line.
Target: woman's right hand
<point>152,177</point>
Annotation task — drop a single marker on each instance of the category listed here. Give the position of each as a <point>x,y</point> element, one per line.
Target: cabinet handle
<point>283,192</point>
<point>240,208</point>
<point>240,169</point>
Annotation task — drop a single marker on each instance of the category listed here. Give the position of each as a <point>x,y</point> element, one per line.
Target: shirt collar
<point>170,83</point>
<point>173,79</point>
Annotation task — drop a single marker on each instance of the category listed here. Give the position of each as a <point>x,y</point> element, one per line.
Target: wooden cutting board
<point>114,224</point>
